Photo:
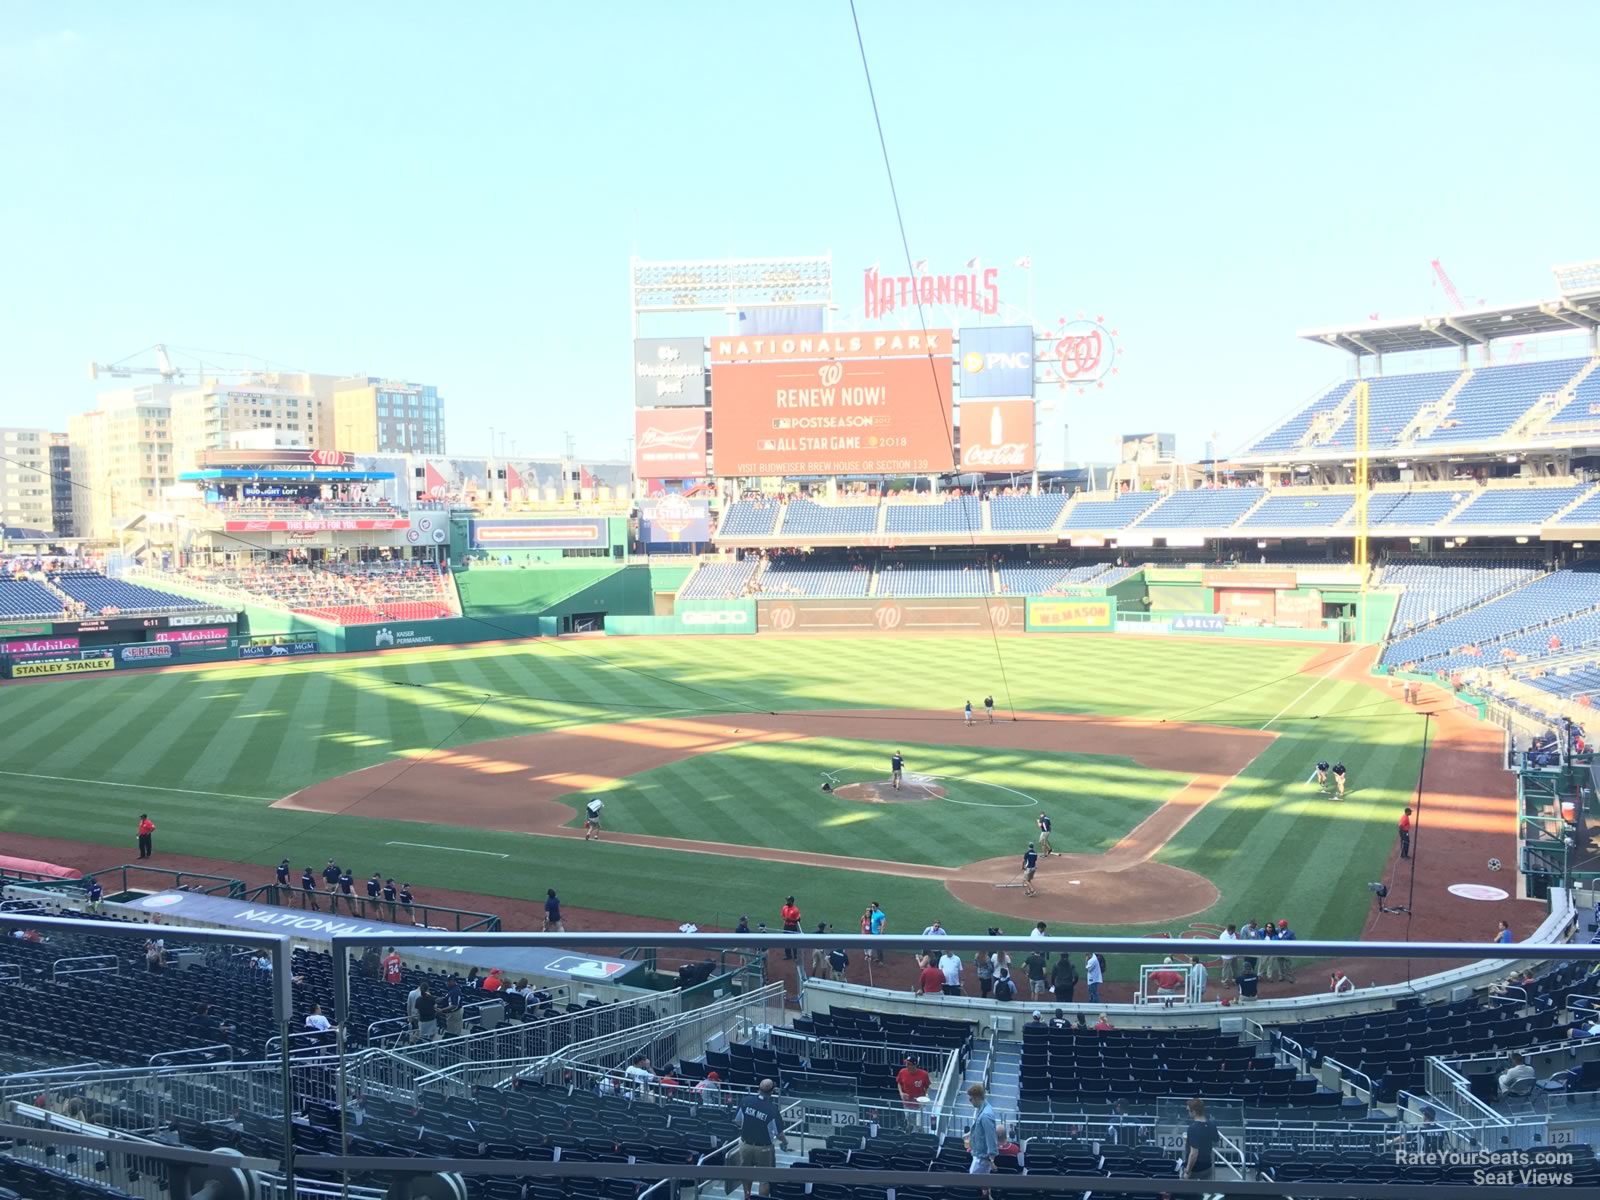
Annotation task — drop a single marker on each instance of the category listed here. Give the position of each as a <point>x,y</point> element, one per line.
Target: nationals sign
<point>997,436</point>
<point>669,443</point>
<point>977,290</point>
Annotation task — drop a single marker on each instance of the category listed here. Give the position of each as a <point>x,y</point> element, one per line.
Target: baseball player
<point>1030,864</point>
<point>897,764</point>
<point>591,819</point>
<point>1044,835</point>
<point>1338,777</point>
<point>988,707</point>
<point>968,712</point>
<point>1322,773</point>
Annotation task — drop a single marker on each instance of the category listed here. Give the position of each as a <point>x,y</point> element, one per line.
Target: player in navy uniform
<point>283,873</point>
<point>1030,864</point>
<point>1338,777</point>
<point>1322,772</point>
<point>308,891</point>
<point>1044,835</point>
<point>330,876</point>
<point>388,898</point>
<point>405,901</point>
<point>968,712</point>
<point>988,707</point>
<point>897,764</point>
<point>96,892</point>
<point>347,889</point>
<point>373,885</point>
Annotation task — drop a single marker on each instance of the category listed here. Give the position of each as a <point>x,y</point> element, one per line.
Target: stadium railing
<point>420,1175</point>
<point>424,916</point>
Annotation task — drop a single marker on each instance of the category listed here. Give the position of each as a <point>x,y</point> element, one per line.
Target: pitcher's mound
<point>885,792</point>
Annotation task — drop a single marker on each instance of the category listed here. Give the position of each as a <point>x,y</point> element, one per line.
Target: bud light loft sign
<point>996,362</point>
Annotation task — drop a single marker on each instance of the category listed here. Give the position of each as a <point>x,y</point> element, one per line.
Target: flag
<point>873,269</point>
<point>513,480</point>
<point>971,262</point>
<point>1026,262</point>
<point>585,480</point>
<point>918,267</point>
<point>433,483</point>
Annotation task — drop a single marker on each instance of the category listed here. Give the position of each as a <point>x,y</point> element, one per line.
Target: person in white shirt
<point>1039,931</point>
<point>950,967</point>
<point>1517,1079</point>
<point>1094,972</point>
<point>935,930</point>
<point>591,819</point>
<point>315,1020</point>
<point>639,1074</point>
<point>1230,934</point>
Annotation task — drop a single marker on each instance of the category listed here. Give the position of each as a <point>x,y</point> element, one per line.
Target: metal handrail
<point>106,962</point>
<point>172,1058</point>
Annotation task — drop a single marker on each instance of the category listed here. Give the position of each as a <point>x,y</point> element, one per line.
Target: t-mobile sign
<point>39,645</point>
<point>193,635</point>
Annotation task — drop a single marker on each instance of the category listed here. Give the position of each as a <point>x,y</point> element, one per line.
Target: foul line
<point>143,787</point>
<point>1315,683</point>
<point>455,849</point>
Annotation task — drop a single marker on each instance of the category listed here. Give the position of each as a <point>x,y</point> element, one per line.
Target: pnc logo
<point>975,363</point>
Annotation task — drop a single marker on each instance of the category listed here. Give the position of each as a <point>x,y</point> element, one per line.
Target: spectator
<point>1503,936</point>
<point>1004,989</point>
<point>983,966</point>
<point>1064,979</point>
<point>878,920</point>
<point>1230,934</point>
<point>1095,973</point>
<point>1035,965</point>
<point>983,1142</point>
<point>1166,981</point>
<point>1060,1020</point>
<point>1339,982</point>
<point>1200,1142</point>
<point>838,964</point>
<point>493,981</point>
<point>1103,1024</point>
<point>709,1089</point>
<point>427,1016</point>
<point>1039,930</point>
<point>1517,1079</point>
<point>1038,1021</point>
<point>640,1076</point>
<point>316,1021</point>
<point>950,968</point>
<point>913,1083</point>
<point>393,972</point>
<point>930,982</point>
<point>1285,964</point>
<point>413,1003</point>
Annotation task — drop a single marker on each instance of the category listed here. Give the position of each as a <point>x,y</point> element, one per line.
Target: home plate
<point>1073,882</point>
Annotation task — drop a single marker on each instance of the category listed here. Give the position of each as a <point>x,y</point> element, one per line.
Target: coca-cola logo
<point>1010,454</point>
<point>673,439</point>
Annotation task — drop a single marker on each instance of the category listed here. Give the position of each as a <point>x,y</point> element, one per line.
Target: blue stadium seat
<point>1026,514</point>
<point>716,581</point>
<point>934,579</point>
<point>1300,508</point>
<point>1202,508</point>
<point>1522,507</point>
<point>99,594</point>
<point>25,600</point>
<point>958,514</point>
<point>1089,511</point>
<point>1495,397</point>
<point>804,518</point>
<point>749,518</point>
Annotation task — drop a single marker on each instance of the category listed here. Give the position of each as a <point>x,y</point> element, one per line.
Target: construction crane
<point>1457,304</point>
<point>118,369</point>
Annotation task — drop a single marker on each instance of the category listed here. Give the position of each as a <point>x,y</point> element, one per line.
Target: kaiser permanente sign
<point>320,929</point>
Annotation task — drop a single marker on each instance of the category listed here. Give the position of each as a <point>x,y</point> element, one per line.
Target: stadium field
<point>209,753</point>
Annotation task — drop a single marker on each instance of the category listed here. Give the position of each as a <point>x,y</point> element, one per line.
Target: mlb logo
<point>766,444</point>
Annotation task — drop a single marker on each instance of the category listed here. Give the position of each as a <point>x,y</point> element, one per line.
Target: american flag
<point>971,262</point>
<point>918,267</point>
<point>1026,262</point>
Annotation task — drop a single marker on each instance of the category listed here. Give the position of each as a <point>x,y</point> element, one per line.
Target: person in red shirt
<point>147,830</point>
<point>790,914</point>
<point>1167,981</point>
<point>1405,833</point>
<point>914,1084</point>
<point>493,982</point>
<point>391,967</point>
<point>1104,1024</point>
<point>931,981</point>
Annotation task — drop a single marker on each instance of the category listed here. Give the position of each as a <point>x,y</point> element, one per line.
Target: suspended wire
<point>946,417</point>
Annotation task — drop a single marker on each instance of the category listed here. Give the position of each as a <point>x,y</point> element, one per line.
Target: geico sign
<point>714,618</point>
<point>1010,454</point>
<point>974,363</point>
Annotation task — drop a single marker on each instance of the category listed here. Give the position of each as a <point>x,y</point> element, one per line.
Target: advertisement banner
<point>278,649</point>
<point>669,443</point>
<point>869,615</point>
<point>280,491</point>
<point>1072,616</point>
<point>1304,611</point>
<point>313,525</point>
<point>32,629</point>
<point>39,645</point>
<point>1198,623</point>
<point>1277,580</point>
<point>61,666</point>
<point>669,372</point>
<point>148,652</point>
<point>848,417</point>
<point>673,518</point>
<point>814,347</point>
<point>219,634</point>
<point>996,361</point>
<point>997,436</point>
<point>1257,606</point>
<point>540,533</point>
<point>294,457</point>
<point>211,618</point>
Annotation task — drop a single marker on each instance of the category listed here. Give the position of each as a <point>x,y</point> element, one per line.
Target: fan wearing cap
<point>709,1089</point>
<point>1038,1021</point>
<point>914,1083</point>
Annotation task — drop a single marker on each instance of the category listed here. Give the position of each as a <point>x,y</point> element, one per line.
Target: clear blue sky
<point>450,193</point>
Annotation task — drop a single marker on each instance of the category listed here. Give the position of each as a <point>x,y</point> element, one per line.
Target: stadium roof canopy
<point>1474,327</point>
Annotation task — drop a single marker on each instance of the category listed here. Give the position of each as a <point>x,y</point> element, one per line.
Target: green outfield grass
<point>769,794</point>
<point>207,751</point>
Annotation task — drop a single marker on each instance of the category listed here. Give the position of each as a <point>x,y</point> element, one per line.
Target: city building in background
<point>380,416</point>
<point>121,455</point>
<point>289,409</point>
<point>25,479</point>
<point>61,486</point>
